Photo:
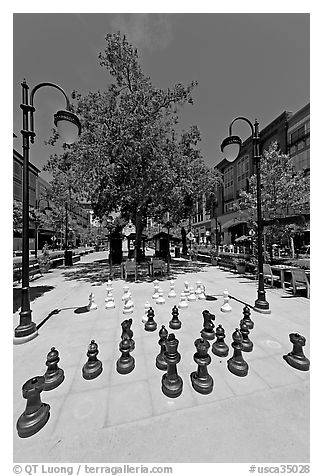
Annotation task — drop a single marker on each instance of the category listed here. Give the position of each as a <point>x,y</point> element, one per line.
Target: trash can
<point>68,258</point>
<point>177,252</point>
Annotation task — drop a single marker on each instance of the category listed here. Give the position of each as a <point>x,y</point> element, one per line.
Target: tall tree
<point>284,191</point>
<point>130,156</point>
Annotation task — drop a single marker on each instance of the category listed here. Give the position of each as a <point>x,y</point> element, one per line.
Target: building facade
<point>292,133</point>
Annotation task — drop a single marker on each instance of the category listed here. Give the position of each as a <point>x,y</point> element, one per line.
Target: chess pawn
<point>54,376</point>
<point>183,304</point>
<point>192,295</point>
<point>127,332</point>
<point>175,323</point>
<point>219,347</point>
<point>296,357</point>
<point>236,364</point>
<point>226,306</point>
<point>246,343</point>
<point>109,286</point>
<point>150,325</point>
<point>201,380</point>
<point>208,327</point>
<point>172,384</point>
<point>36,413</point>
<point>198,289</point>
<point>186,289</point>
<point>125,363</point>
<point>202,295</point>
<point>172,292</point>
<point>160,359</point>
<point>156,290</point>
<point>109,300</point>
<point>160,299</point>
<point>127,307</point>
<point>93,366</point>
<point>126,293</point>
<point>145,316</point>
<point>246,317</point>
<point>92,305</point>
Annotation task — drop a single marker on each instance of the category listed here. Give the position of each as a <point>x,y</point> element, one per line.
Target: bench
<point>34,269</point>
<point>156,266</point>
<point>129,268</point>
<point>268,274</point>
<point>300,281</point>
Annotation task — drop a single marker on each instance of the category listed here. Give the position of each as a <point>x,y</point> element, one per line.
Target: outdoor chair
<point>268,274</point>
<point>157,266</point>
<point>130,269</point>
<point>300,281</point>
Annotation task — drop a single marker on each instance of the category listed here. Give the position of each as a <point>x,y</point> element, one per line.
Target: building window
<point>242,170</point>
<point>300,145</point>
<point>228,181</point>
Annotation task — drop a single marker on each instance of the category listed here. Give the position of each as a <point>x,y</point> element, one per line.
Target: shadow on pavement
<point>35,292</point>
<point>81,310</point>
<point>98,272</point>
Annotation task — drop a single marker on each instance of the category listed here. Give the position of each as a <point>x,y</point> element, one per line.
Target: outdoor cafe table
<point>284,272</point>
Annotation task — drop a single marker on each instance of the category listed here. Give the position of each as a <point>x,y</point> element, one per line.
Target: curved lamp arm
<point>242,119</point>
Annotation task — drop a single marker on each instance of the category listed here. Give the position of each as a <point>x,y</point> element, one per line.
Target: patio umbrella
<point>242,238</point>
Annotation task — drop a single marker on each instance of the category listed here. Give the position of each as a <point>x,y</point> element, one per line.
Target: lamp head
<point>231,147</point>
<point>68,126</point>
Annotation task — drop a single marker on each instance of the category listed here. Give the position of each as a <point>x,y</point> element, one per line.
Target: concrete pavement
<point>263,417</point>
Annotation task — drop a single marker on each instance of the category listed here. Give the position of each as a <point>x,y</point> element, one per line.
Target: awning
<point>243,238</point>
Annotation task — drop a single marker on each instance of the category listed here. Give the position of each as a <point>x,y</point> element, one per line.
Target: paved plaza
<point>263,417</point>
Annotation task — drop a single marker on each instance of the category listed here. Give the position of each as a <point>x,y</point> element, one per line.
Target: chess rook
<point>296,357</point>
<point>208,327</point>
<point>93,366</point>
<point>201,380</point>
<point>186,289</point>
<point>160,359</point>
<point>125,363</point>
<point>172,384</point>
<point>219,347</point>
<point>54,376</point>
<point>175,323</point>
<point>150,325</point>
<point>236,364</point>
<point>36,413</point>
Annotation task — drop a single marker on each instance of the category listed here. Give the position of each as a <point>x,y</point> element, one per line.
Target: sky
<point>252,64</point>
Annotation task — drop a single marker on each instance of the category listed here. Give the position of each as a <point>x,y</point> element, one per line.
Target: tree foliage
<point>131,157</point>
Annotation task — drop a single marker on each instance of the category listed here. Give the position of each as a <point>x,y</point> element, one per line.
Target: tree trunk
<point>139,222</point>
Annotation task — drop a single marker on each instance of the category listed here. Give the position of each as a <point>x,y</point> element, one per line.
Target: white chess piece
<point>92,305</point>
<point>126,293</point>
<point>202,293</point>
<point>172,292</point>
<point>109,300</point>
<point>226,306</point>
<point>130,302</point>
<point>183,303</point>
<point>127,308</point>
<point>198,289</point>
<point>160,299</point>
<point>145,316</point>
<point>192,296</point>
<point>156,289</point>
<point>186,289</point>
<point>109,285</point>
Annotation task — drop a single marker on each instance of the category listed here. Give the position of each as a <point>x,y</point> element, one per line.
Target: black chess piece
<point>93,366</point>
<point>201,380</point>
<point>236,364</point>
<point>125,363</point>
<point>36,413</point>
<point>296,357</point>
<point>172,384</point>
<point>219,347</point>
<point>208,327</point>
<point>160,359</point>
<point>54,376</point>
<point>175,323</point>
<point>126,331</point>
<point>247,344</point>
<point>150,325</point>
<point>246,317</point>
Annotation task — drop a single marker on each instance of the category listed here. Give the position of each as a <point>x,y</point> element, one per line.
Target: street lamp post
<point>69,128</point>
<point>109,222</point>
<point>232,145</point>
